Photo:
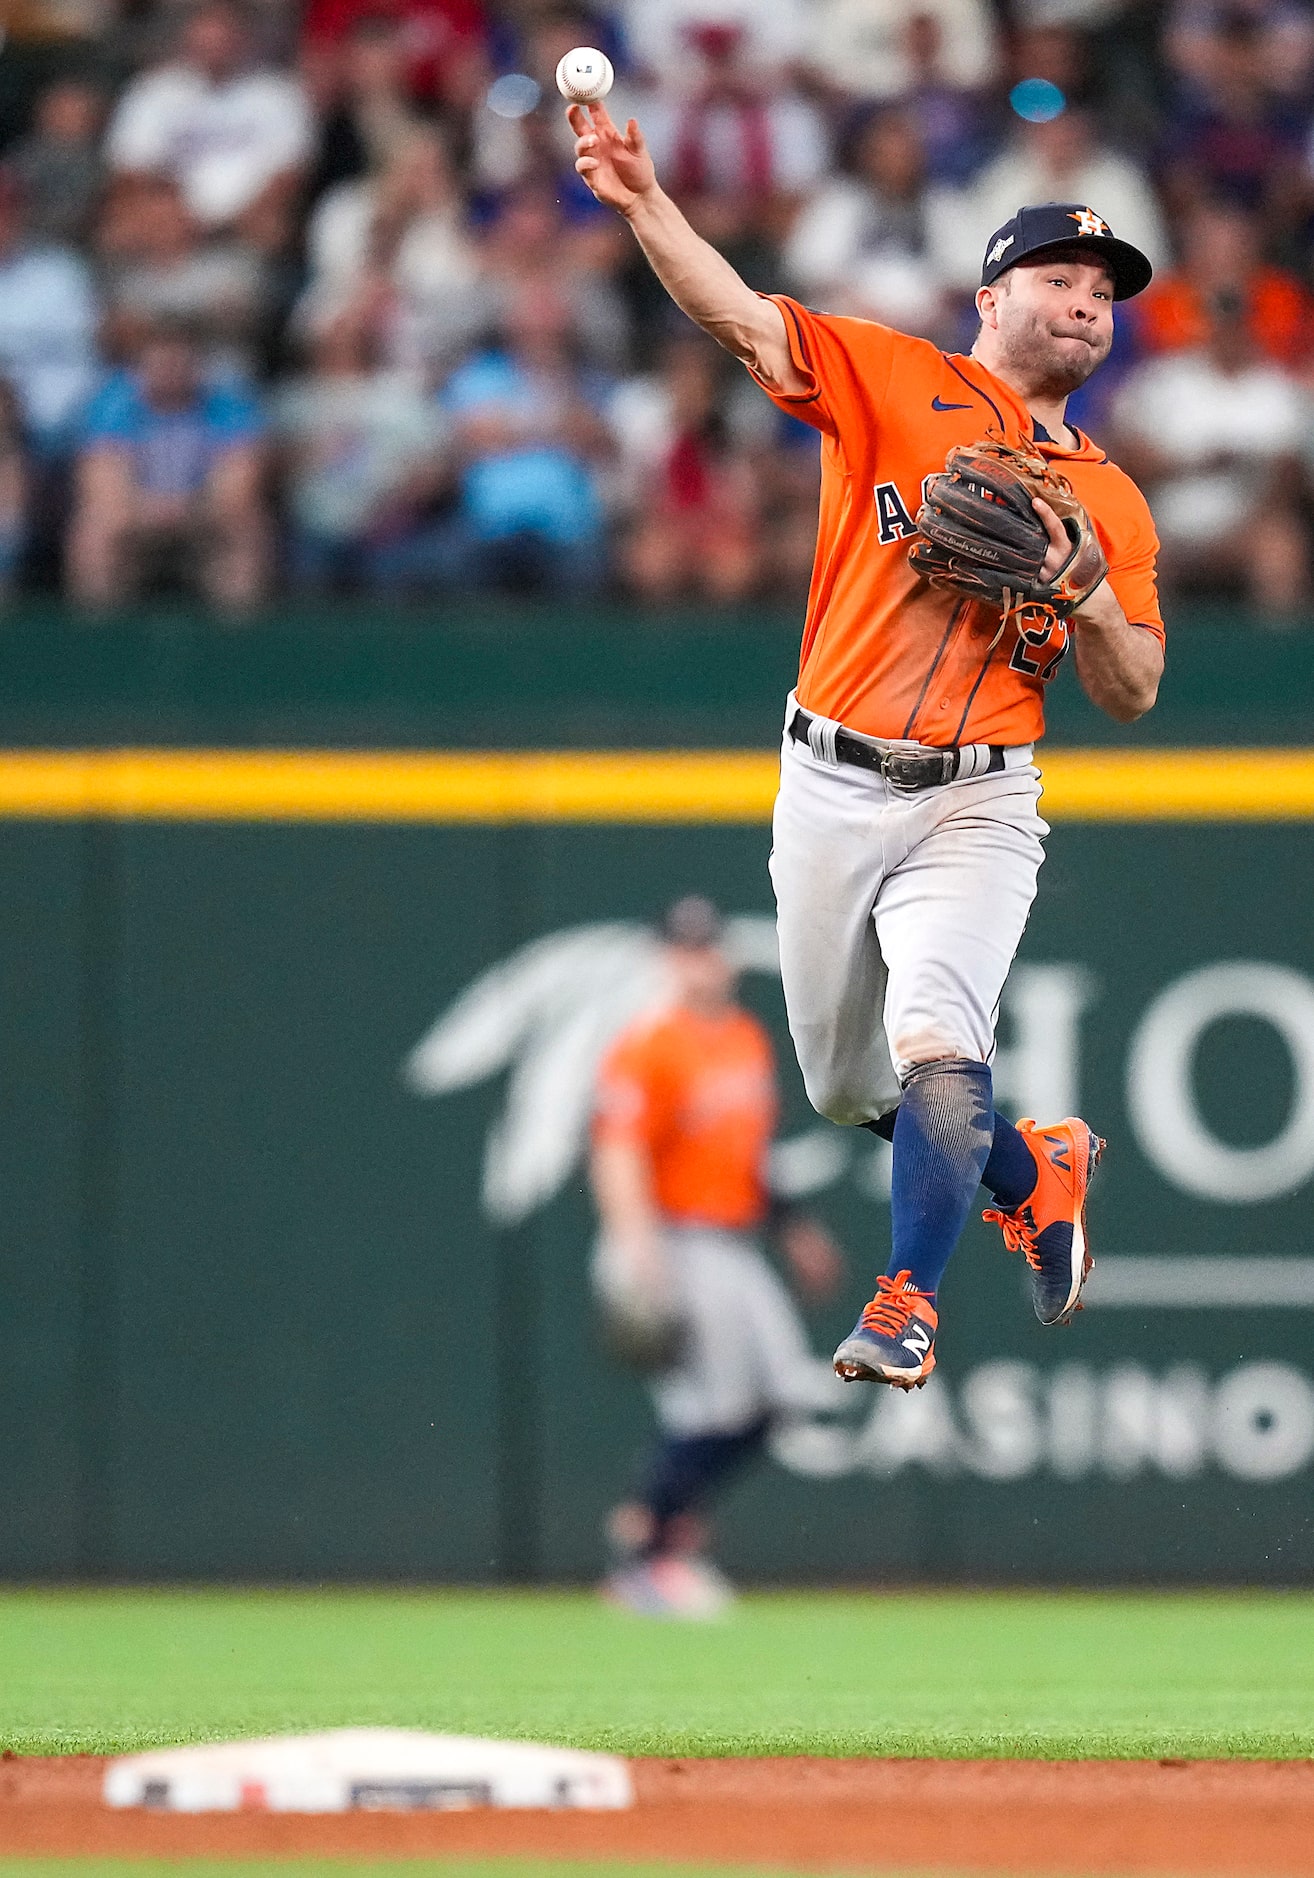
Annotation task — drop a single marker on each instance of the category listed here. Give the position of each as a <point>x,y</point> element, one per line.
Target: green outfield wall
<point>312,928</point>
<point>295,1231</point>
<point>509,676</point>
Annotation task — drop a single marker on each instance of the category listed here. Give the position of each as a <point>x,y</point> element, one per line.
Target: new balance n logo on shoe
<point>894,1339</point>
<point>1049,1229</point>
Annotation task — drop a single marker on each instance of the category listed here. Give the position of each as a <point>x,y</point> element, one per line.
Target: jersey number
<point>1039,649</point>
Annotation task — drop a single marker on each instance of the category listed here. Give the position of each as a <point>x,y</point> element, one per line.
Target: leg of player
<point>941,885</point>
<point>660,1570</point>
<point>952,907</point>
<point>1039,1178</point>
<point>946,1117</point>
<point>942,1138</point>
<point>826,871</point>
<point>742,1360</point>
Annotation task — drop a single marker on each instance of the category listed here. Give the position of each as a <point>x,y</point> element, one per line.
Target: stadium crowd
<point>309,299</point>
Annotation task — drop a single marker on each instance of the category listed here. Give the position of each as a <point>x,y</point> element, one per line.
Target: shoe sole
<point>850,1370</point>
<point>1082,1261</point>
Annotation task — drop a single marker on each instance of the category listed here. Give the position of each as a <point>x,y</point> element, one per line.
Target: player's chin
<point>1076,359</point>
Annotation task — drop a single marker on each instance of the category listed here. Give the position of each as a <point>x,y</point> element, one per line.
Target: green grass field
<point>1049,1675</point>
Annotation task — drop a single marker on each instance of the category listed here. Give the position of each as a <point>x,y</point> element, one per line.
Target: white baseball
<point>585,75</point>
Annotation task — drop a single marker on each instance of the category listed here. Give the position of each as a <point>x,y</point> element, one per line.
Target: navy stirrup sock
<point>1010,1172</point>
<point>1010,1169</point>
<point>687,1469</point>
<point>942,1142</point>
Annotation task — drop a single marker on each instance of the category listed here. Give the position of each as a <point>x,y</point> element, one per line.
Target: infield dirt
<point>1242,1819</point>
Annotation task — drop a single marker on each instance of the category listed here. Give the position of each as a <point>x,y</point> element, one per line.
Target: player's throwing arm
<point>618,169</point>
<point>968,538</point>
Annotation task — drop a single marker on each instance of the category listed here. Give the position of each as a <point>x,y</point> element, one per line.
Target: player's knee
<point>949,1058</point>
<point>836,1098</point>
<point>914,1050</point>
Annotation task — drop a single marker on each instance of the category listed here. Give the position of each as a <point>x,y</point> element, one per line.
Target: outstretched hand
<point>616,166</point>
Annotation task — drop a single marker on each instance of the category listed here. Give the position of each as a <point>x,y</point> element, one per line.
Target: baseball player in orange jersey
<point>685,1110</point>
<point>907,836</point>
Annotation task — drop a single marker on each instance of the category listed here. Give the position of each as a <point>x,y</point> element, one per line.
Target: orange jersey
<point>699,1095</point>
<point>883,651</point>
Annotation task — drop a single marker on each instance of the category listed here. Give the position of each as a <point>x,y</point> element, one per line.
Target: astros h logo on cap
<point>1088,223</point>
<point>1043,225</point>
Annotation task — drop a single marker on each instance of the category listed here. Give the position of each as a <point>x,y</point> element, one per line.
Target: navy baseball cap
<point>1042,225</point>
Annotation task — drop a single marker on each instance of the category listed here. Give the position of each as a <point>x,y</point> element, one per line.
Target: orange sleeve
<point>626,1103</point>
<point>847,364</point>
<point>1132,557</point>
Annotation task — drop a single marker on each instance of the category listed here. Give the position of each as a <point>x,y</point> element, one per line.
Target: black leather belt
<point>905,769</point>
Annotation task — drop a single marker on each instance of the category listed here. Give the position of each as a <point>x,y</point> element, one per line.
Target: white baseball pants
<point>745,1352</point>
<point>899,915</point>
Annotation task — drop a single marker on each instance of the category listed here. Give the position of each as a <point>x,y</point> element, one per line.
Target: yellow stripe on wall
<point>390,786</point>
<point>1225,785</point>
<point>594,786</point>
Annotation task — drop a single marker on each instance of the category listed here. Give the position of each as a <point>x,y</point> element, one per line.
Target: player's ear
<point>987,306</point>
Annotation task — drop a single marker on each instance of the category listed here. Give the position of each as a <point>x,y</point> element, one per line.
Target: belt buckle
<point>908,772</point>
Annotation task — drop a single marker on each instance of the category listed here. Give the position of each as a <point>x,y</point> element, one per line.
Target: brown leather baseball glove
<point>981,537</point>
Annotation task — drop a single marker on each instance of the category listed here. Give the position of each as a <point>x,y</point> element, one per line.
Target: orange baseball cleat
<point>894,1339</point>
<point>1049,1228</point>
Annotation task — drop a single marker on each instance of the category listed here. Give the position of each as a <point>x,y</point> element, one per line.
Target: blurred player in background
<point>685,1112</point>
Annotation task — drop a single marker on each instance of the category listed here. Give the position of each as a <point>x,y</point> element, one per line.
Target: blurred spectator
<point>951,120</point>
<point>399,241</point>
<point>232,135</point>
<point>365,458</point>
<point>876,48</point>
<point>864,242</point>
<point>170,472</point>
<point>1054,49</point>
<point>789,477</point>
<point>1220,256</point>
<point>521,136</point>
<point>58,22</point>
<point>413,192</point>
<point>15,490</point>
<point>47,326</point>
<point>1197,32</point>
<point>664,35</point>
<point>443,45</point>
<point>689,494</point>
<point>58,164</point>
<point>1061,161</point>
<point>530,437</point>
<point>1213,436</point>
<point>527,242</point>
<point>725,130</point>
<point>157,268</point>
<point>1230,134</point>
<point>372,112</point>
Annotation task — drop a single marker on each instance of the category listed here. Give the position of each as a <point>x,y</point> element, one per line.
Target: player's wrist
<point>1099,609</point>
<point>645,204</point>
